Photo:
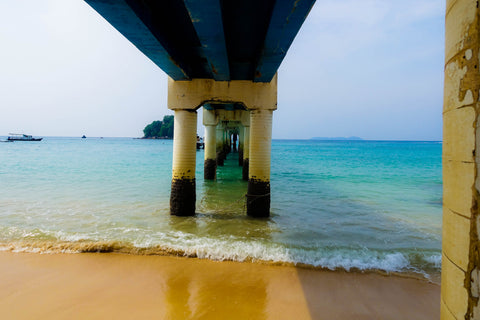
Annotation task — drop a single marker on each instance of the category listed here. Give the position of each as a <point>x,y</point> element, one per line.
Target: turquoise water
<point>335,204</point>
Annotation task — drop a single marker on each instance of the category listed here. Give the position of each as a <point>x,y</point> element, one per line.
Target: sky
<point>372,69</point>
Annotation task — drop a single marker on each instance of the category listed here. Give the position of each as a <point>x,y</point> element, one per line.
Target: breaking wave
<point>180,244</point>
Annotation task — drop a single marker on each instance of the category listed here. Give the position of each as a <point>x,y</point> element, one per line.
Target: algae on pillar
<point>258,194</point>
<point>182,196</point>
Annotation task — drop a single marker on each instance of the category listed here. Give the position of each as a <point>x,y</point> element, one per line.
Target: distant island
<point>159,129</point>
<point>336,138</point>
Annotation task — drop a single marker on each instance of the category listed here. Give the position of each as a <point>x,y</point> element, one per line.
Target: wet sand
<point>115,286</point>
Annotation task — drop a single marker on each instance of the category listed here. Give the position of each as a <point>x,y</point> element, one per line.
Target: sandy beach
<point>116,286</point>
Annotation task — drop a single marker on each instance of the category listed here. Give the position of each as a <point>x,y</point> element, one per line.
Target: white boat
<point>22,137</point>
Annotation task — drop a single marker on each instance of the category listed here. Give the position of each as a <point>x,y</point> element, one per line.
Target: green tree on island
<point>160,129</point>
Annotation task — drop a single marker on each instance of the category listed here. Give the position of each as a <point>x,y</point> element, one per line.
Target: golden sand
<point>116,286</point>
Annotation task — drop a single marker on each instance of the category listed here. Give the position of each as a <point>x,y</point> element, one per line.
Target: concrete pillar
<point>258,193</point>
<point>234,140</point>
<point>182,197</point>
<point>220,145</point>
<point>461,163</point>
<point>228,142</point>
<point>246,153</point>
<point>241,132</point>
<point>210,121</point>
<point>210,165</point>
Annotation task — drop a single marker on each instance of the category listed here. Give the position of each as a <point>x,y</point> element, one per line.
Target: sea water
<point>363,205</point>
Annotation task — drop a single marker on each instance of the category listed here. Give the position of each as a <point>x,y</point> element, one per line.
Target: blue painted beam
<point>206,16</point>
<point>287,18</point>
<point>121,16</point>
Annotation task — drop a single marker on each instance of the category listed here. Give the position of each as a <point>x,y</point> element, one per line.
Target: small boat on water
<point>22,137</point>
<point>200,143</point>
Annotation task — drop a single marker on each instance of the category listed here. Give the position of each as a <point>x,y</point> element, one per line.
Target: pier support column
<point>182,197</point>
<point>246,153</point>
<point>234,142</point>
<point>220,149</point>
<point>241,132</point>
<point>258,194</point>
<point>228,142</point>
<point>210,121</point>
<point>210,165</point>
<point>461,163</point>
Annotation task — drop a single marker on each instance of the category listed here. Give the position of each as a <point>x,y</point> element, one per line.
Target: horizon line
<point>310,139</point>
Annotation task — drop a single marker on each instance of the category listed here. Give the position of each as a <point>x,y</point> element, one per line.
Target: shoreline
<point>112,285</point>
<point>115,247</point>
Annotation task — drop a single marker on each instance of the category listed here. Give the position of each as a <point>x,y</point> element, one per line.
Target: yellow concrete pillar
<point>210,121</point>
<point>241,132</point>
<point>461,182</point>
<point>228,141</point>
<point>220,133</point>
<point>246,152</point>
<point>234,133</point>
<point>210,165</point>
<point>182,197</point>
<point>258,194</point>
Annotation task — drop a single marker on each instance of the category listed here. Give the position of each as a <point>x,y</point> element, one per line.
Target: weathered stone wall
<point>461,255</point>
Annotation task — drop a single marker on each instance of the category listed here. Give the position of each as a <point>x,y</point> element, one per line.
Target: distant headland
<point>336,138</point>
